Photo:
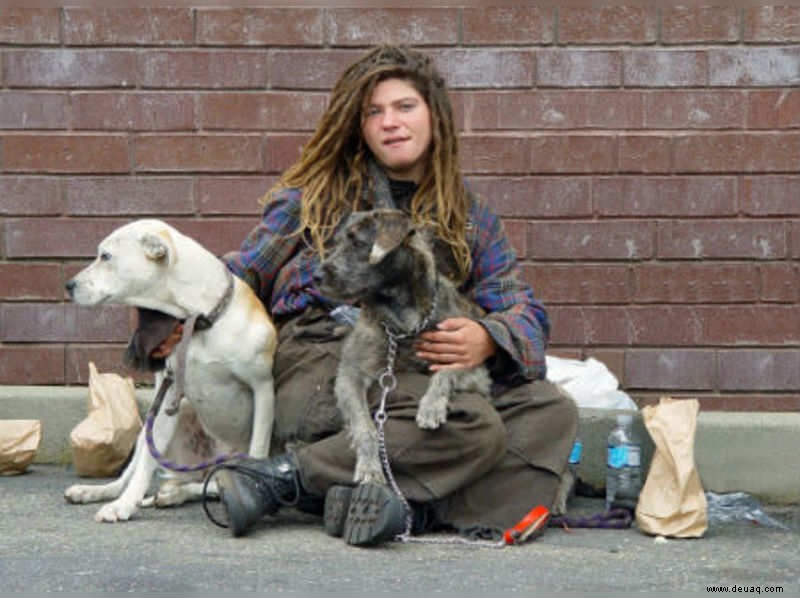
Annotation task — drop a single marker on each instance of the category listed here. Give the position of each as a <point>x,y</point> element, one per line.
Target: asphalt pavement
<point>49,545</point>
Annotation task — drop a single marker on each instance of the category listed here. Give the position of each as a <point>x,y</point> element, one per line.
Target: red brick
<point>516,231</point>
<point>31,364</point>
<point>738,152</point>
<point>283,150</point>
<point>30,26</point>
<point>780,282</point>
<point>665,68</point>
<point>25,110</point>
<point>731,402</point>
<point>259,26</point>
<point>759,369</point>
<point>64,322</point>
<point>65,153</point>
<point>495,153</point>
<point>679,369</point>
<point>607,24</point>
<point>773,109</point>
<point>771,196</point>
<point>578,68</point>
<point>618,240</point>
<point>107,357</point>
<point>750,325</point>
<point>696,283</point>
<point>218,235</point>
<point>26,281</point>
<point>111,196</point>
<point>664,196</point>
<point>127,26</point>
<point>136,111</point>
<point>667,326</point>
<point>645,153</point>
<point>214,69</point>
<point>286,111</point>
<point>556,110</point>
<point>38,196</point>
<point>692,24</point>
<point>795,234</point>
<point>535,197</point>
<point>573,154</point>
<point>475,68</point>
<point>508,25</point>
<point>613,359</point>
<point>752,66</point>
<point>409,26</point>
<point>198,152</point>
<point>56,237</point>
<point>566,326</point>
<point>232,195</point>
<point>70,68</point>
<point>722,239</point>
<point>772,24</point>
<point>582,284</point>
<point>308,69</point>
<point>688,109</point>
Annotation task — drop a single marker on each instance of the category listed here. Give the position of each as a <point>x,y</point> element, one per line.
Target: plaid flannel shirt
<point>278,264</point>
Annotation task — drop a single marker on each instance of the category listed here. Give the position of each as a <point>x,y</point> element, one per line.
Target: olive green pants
<point>488,465</point>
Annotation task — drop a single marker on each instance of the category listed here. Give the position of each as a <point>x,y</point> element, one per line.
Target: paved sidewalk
<point>48,545</point>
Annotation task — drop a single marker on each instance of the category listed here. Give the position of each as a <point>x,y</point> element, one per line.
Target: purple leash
<point>612,519</point>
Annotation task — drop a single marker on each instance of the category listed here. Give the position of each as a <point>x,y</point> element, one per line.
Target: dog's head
<point>129,267</point>
<point>367,254</point>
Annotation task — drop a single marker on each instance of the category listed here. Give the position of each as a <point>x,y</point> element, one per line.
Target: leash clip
<point>532,524</point>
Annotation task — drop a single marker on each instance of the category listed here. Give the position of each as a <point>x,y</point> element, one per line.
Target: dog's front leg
<point>143,467</point>
<point>432,410</point>
<point>263,417</point>
<point>351,398</point>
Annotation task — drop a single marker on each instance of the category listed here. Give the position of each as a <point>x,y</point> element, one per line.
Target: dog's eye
<point>355,239</point>
<point>105,256</point>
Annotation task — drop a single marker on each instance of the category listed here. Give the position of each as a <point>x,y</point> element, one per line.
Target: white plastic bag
<point>589,383</point>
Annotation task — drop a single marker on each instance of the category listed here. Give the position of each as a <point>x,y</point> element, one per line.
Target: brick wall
<point>645,161</point>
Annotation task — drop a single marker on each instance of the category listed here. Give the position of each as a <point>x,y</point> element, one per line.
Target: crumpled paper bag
<point>672,502</point>
<point>19,442</point>
<point>102,442</point>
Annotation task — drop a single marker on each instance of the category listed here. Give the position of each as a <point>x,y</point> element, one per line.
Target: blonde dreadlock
<point>332,169</point>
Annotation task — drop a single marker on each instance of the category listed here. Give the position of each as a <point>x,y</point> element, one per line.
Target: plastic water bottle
<point>623,471</point>
<point>574,462</point>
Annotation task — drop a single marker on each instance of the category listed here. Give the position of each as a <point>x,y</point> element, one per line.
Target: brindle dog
<point>381,262</point>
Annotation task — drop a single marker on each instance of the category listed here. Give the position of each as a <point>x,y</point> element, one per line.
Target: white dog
<point>228,366</point>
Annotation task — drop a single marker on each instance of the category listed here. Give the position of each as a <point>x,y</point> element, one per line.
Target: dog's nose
<point>70,286</point>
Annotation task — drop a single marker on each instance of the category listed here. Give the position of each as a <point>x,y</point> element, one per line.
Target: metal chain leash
<point>388,382</point>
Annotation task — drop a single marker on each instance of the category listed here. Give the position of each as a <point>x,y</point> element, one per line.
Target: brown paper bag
<point>19,441</point>
<point>102,442</point>
<point>672,502</point>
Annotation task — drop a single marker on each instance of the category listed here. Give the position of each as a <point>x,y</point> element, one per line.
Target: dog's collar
<point>207,320</point>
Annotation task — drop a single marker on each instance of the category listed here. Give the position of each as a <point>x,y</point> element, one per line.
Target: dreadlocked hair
<point>332,168</point>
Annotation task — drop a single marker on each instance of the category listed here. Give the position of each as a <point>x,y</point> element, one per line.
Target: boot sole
<point>364,515</point>
<point>232,499</point>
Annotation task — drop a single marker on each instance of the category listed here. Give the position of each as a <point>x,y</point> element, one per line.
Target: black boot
<point>252,488</point>
<point>364,515</point>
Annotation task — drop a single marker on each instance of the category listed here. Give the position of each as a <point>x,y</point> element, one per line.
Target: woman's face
<point>396,124</point>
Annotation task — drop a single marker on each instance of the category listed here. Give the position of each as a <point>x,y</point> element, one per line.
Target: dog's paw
<point>431,413</point>
<point>119,510</point>
<point>83,493</point>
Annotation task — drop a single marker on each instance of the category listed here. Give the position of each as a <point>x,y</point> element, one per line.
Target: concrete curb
<point>734,451</point>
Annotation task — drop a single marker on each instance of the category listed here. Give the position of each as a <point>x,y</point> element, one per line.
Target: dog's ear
<point>155,247</point>
<point>391,229</point>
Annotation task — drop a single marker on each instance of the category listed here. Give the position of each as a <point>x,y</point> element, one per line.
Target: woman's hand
<point>458,343</point>
<point>166,346</point>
